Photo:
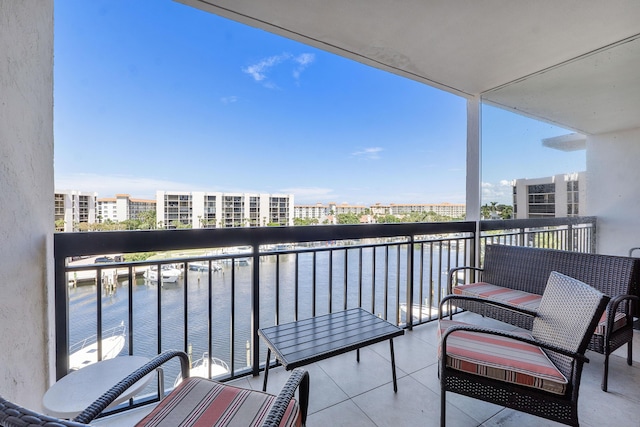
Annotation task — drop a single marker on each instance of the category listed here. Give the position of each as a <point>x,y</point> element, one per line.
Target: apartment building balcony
<point>345,392</point>
<point>277,274</point>
<point>522,57</point>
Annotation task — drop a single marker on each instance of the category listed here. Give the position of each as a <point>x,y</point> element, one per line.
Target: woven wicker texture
<point>527,269</point>
<point>12,415</point>
<point>562,333</point>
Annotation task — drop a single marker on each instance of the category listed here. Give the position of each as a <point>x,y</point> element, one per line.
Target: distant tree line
<point>493,210</point>
<point>147,220</point>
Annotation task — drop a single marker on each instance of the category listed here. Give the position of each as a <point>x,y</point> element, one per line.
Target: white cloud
<point>303,60</point>
<point>500,192</point>
<point>260,71</point>
<point>110,185</point>
<point>369,153</point>
<point>229,99</point>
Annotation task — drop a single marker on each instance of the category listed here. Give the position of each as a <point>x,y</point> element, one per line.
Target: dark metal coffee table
<point>306,341</point>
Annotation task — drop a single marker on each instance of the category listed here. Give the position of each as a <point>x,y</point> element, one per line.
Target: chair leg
<point>443,405</point>
<point>630,353</point>
<point>605,375</point>
<point>393,367</point>
<point>266,370</point>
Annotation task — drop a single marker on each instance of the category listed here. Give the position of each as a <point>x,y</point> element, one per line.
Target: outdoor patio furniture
<point>310,340</point>
<point>195,398</point>
<point>517,276</point>
<point>537,372</point>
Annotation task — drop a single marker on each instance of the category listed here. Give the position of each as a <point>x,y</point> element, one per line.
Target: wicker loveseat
<point>517,276</point>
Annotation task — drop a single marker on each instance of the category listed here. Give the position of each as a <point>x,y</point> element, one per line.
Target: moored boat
<point>169,273</point>
<point>200,368</point>
<point>85,352</point>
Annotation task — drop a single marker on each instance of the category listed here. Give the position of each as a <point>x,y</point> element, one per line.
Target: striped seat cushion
<point>619,321</point>
<point>514,297</point>
<point>199,402</point>
<point>502,359</point>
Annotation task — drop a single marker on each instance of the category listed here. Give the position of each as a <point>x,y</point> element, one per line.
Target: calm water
<point>147,300</point>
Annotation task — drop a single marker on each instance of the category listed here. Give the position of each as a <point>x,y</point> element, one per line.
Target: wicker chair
<point>272,410</point>
<point>491,365</point>
<point>527,269</point>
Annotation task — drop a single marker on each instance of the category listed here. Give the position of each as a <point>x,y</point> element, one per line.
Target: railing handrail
<point>67,245</point>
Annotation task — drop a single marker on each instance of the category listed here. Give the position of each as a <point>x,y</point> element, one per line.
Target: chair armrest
<point>93,410</point>
<point>612,308</point>
<point>454,271</point>
<point>487,301</point>
<point>15,415</point>
<point>299,378</point>
<point>497,332</point>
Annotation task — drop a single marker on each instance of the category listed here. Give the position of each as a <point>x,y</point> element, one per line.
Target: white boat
<point>170,274</point>
<point>85,352</point>
<point>200,368</point>
<point>204,266</point>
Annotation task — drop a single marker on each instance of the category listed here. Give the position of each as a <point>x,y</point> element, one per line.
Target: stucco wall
<point>613,195</point>
<point>26,198</point>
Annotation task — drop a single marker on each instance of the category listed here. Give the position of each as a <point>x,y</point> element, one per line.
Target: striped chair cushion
<point>619,321</point>
<point>199,402</point>
<point>524,299</point>
<point>521,299</point>
<point>501,358</point>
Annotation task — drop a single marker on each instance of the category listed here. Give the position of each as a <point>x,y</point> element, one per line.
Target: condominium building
<point>72,208</point>
<point>199,209</point>
<point>320,212</point>
<point>559,195</point>
<point>326,213</point>
<point>122,207</point>
<point>445,209</point>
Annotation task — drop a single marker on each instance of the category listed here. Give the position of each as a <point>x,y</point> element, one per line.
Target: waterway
<point>158,312</point>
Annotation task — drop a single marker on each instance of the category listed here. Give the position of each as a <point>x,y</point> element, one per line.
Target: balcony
<point>345,392</point>
<point>275,275</point>
<point>523,59</point>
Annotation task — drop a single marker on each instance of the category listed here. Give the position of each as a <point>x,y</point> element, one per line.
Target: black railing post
<point>255,310</point>
<point>409,310</point>
<point>62,317</point>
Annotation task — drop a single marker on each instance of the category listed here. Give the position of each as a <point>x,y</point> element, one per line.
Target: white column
<point>474,158</point>
<point>27,334</point>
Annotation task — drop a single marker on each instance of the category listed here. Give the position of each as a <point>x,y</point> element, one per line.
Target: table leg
<point>266,370</point>
<point>358,355</point>
<point>393,366</point>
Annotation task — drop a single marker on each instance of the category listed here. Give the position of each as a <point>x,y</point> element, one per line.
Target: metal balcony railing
<point>214,288</point>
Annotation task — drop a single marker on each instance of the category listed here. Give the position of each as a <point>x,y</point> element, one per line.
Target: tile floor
<point>347,393</point>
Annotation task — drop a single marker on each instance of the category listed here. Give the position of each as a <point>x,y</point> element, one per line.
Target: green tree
<point>148,220</point>
<point>305,221</point>
<point>485,211</point>
<point>348,218</point>
<point>180,225</point>
<point>387,219</point>
<point>505,211</point>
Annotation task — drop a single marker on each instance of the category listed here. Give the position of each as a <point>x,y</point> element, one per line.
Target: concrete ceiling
<point>571,62</point>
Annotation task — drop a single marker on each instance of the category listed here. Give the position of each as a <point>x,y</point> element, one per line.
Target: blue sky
<point>155,95</point>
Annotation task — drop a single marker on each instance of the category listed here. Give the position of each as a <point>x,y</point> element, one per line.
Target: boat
<point>204,266</point>
<point>85,352</point>
<point>170,274</point>
<point>200,368</point>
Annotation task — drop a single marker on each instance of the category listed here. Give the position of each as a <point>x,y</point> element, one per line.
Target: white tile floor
<point>347,393</point>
